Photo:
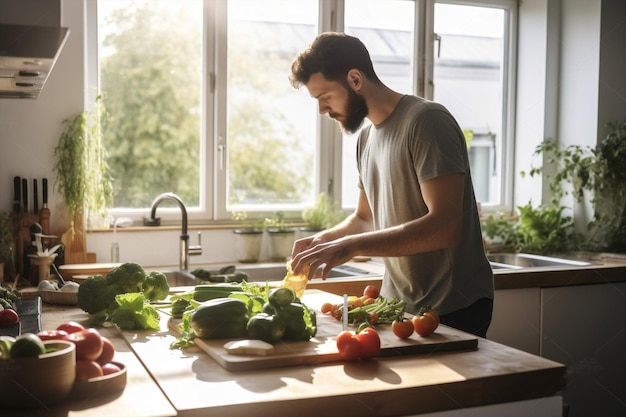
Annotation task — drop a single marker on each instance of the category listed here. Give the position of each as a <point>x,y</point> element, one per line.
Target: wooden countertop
<point>600,272</point>
<point>164,382</point>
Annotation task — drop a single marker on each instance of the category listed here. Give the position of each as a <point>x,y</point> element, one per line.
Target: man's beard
<point>356,111</point>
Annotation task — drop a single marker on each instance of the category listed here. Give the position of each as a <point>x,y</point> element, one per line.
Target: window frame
<point>328,169</point>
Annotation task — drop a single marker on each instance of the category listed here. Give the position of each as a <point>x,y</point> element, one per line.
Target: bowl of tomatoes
<point>96,370</point>
<point>35,373</point>
<point>111,382</point>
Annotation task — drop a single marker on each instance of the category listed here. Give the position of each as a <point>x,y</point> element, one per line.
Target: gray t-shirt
<point>419,141</point>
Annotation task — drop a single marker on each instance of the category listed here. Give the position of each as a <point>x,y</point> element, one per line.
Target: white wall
<point>29,129</point>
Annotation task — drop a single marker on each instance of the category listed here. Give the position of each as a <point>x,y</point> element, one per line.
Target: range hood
<point>27,55</point>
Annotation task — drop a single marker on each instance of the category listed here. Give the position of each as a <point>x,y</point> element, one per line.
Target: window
<point>469,77</point>
<point>204,109</point>
<point>269,144</point>
<point>151,80</point>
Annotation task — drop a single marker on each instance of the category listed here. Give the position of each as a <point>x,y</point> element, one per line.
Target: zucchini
<point>220,318</point>
<point>205,292</point>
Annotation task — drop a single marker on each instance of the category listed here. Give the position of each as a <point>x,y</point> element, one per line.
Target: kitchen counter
<point>164,382</point>
<point>601,271</point>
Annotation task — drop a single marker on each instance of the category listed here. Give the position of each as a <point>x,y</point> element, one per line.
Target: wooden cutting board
<point>322,348</point>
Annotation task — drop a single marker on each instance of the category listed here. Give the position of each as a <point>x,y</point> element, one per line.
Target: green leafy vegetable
<point>123,297</point>
<point>134,312</point>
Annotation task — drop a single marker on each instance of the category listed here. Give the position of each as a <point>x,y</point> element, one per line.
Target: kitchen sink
<point>261,273</point>
<point>180,278</point>
<point>527,260</point>
<point>271,272</point>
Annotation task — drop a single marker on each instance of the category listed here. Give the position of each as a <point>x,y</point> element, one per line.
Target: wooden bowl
<point>38,381</point>
<point>101,385</point>
<point>68,271</point>
<point>80,278</point>
<point>59,297</point>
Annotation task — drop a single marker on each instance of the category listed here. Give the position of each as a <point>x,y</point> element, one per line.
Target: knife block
<point>21,233</point>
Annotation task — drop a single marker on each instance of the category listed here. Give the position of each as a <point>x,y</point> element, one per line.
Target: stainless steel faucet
<point>185,249</point>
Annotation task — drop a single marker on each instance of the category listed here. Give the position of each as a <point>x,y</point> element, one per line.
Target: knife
<point>17,195</point>
<point>44,214</point>
<point>35,197</point>
<point>25,195</point>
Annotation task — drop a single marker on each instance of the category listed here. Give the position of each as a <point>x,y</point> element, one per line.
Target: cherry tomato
<point>8,316</point>
<point>108,352</point>
<point>348,345</point>
<point>110,368</point>
<point>71,327</point>
<point>86,369</point>
<point>371,291</point>
<point>402,328</point>
<point>370,343</point>
<point>433,314</point>
<point>424,325</point>
<point>53,335</point>
<point>88,344</point>
<point>326,308</point>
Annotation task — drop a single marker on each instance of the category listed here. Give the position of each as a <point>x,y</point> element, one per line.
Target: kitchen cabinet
<point>581,326</point>
<point>516,318</point>
<point>584,327</point>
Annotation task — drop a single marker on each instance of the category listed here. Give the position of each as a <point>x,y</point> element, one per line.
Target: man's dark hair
<point>333,54</point>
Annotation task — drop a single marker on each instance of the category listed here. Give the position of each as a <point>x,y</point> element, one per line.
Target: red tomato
<point>88,344</point>
<point>71,327</point>
<point>402,328</point>
<point>348,345</point>
<point>371,291</point>
<point>424,325</point>
<point>370,343</point>
<point>86,369</point>
<point>8,316</point>
<point>53,335</point>
<point>326,308</point>
<point>433,314</point>
<point>110,368</point>
<point>108,351</point>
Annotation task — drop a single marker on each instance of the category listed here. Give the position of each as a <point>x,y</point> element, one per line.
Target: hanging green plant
<point>81,172</point>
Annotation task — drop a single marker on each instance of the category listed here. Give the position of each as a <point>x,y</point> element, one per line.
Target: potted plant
<point>600,172</point>
<point>248,239</point>
<point>323,215</point>
<point>540,230</point>
<point>7,267</point>
<point>82,177</point>
<point>280,237</point>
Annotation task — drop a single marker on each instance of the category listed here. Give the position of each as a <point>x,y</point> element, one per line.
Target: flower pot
<point>307,231</point>
<point>280,243</point>
<point>248,245</point>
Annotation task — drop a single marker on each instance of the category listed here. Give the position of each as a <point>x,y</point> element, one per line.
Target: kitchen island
<point>492,379</point>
